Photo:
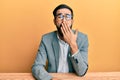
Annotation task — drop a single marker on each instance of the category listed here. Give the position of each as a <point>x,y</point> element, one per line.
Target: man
<point>65,49</point>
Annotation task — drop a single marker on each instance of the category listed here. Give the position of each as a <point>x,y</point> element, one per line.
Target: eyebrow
<point>58,14</point>
<point>61,14</point>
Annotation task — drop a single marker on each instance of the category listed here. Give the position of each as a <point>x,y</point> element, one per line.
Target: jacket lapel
<point>69,61</point>
<point>56,48</point>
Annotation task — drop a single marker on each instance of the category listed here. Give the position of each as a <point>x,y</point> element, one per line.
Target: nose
<point>64,19</point>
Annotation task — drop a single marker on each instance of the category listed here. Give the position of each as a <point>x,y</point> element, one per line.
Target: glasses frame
<point>66,16</point>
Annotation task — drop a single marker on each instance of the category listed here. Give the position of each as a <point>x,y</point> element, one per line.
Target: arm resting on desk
<point>80,60</point>
<point>38,69</point>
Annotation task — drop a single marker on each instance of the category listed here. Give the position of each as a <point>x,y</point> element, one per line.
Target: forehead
<point>63,11</point>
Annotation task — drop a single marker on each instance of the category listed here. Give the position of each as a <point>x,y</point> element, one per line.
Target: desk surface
<point>64,76</point>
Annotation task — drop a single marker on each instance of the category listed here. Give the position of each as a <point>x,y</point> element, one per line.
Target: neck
<point>60,37</point>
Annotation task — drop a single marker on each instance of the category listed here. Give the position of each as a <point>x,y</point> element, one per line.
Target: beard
<point>60,31</point>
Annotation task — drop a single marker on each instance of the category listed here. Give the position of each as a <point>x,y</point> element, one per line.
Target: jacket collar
<point>56,47</point>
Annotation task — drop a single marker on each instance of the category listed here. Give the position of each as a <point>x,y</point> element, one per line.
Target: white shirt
<point>63,63</point>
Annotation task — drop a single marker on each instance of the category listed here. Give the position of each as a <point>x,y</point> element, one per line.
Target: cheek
<point>58,23</point>
<point>69,23</point>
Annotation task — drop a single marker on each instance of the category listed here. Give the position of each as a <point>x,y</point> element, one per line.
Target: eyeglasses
<point>61,17</point>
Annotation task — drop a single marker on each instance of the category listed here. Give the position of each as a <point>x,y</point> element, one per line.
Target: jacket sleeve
<point>80,60</point>
<point>38,68</point>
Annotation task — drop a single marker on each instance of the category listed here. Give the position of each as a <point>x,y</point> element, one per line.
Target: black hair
<point>61,6</point>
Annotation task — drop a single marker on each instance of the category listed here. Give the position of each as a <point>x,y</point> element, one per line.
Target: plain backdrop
<point>23,22</point>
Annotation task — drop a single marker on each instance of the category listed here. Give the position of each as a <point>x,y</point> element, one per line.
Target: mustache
<point>59,30</point>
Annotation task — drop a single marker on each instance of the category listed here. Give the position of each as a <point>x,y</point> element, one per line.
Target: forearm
<point>74,47</point>
<point>79,64</point>
<point>40,73</point>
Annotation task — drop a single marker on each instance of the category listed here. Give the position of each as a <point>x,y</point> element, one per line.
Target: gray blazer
<point>49,50</point>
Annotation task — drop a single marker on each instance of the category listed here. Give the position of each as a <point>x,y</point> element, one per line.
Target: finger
<point>68,27</point>
<point>63,31</point>
<point>65,26</point>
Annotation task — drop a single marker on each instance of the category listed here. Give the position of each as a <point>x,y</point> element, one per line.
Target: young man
<point>65,49</point>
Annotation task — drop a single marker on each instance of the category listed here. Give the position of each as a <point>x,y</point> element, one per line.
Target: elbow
<point>33,71</point>
<point>83,72</point>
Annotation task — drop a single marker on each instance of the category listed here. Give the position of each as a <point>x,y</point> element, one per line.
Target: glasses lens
<point>60,16</point>
<point>67,16</point>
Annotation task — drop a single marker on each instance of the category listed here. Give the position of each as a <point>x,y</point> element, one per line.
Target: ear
<point>72,21</point>
<point>54,21</point>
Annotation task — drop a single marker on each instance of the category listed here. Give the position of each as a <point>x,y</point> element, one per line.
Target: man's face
<point>63,15</point>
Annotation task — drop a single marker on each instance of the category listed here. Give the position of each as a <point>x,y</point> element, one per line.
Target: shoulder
<point>82,39</point>
<point>49,36</point>
<point>81,35</point>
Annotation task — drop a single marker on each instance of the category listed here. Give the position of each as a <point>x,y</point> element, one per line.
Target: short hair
<point>61,6</point>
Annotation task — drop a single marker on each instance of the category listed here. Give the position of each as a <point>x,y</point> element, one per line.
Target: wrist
<point>74,47</point>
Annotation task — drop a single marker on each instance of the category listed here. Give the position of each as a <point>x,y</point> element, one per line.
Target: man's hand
<point>70,37</point>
